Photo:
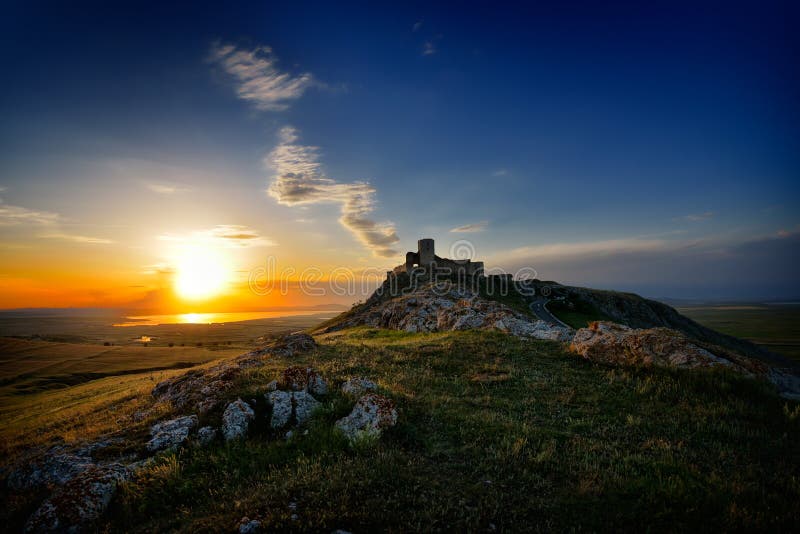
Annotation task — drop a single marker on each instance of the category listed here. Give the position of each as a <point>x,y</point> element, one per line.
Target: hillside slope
<point>638,312</point>
<point>494,433</point>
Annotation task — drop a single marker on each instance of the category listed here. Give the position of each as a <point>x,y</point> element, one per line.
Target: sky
<point>156,156</point>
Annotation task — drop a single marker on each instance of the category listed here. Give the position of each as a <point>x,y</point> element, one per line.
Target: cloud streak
<point>224,235</point>
<point>695,217</point>
<point>87,240</point>
<point>18,215</point>
<point>299,180</point>
<point>470,228</point>
<point>165,189</point>
<point>259,81</point>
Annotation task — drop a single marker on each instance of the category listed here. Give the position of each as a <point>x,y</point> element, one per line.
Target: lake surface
<point>218,318</point>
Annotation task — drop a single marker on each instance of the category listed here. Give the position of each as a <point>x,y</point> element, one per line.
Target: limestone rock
<point>358,386</point>
<point>79,503</point>
<point>304,406</point>
<point>170,434</point>
<point>249,526</point>
<point>370,416</point>
<point>236,419</point>
<point>206,435</point>
<point>787,383</point>
<point>57,466</point>
<point>442,307</point>
<point>621,345</point>
<point>281,402</point>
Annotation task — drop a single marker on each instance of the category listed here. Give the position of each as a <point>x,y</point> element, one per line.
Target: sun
<point>201,273</point>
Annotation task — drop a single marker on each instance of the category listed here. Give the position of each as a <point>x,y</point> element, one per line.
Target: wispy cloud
<point>259,81</point>
<point>299,180</point>
<point>225,235</point>
<point>429,48</point>
<point>166,189</point>
<point>694,217</point>
<point>88,240</point>
<point>470,228</point>
<point>18,215</point>
<point>417,25</point>
<point>500,172</point>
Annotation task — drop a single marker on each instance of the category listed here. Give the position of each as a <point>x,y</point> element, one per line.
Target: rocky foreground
<point>83,485</point>
<point>202,407</point>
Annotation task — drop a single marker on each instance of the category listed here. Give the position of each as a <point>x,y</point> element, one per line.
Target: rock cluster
<point>200,390</point>
<point>78,503</point>
<point>84,486</point>
<point>437,308</point>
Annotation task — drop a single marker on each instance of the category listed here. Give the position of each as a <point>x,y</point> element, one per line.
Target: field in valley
<point>774,326</point>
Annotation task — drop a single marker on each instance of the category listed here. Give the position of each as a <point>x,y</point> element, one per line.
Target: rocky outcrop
<point>618,344</point>
<point>201,390</point>
<point>639,312</point>
<point>79,503</point>
<point>236,419</point>
<point>358,386</point>
<point>434,308</point>
<point>56,467</point>
<point>170,434</point>
<point>370,416</point>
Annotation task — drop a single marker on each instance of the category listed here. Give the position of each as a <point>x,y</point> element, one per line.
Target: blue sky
<point>651,148</point>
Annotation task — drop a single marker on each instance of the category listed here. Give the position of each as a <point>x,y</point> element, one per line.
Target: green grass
<point>28,367</point>
<point>494,432</point>
<point>578,315</point>
<point>775,327</point>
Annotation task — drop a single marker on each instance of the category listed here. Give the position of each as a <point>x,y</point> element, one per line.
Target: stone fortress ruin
<point>425,260</point>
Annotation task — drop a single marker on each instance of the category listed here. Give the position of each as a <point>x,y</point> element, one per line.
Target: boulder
<point>206,435</point>
<point>80,502</point>
<point>358,386</point>
<point>170,434</point>
<point>236,419</point>
<point>370,416</point>
<point>304,406</point>
<point>281,402</point>
<point>621,345</point>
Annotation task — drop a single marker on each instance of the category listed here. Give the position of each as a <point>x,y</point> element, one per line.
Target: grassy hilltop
<point>494,433</point>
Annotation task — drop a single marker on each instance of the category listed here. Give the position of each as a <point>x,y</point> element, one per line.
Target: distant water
<point>216,318</point>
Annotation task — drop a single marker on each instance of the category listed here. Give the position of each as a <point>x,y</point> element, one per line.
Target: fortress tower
<point>425,251</point>
<point>425,257</point>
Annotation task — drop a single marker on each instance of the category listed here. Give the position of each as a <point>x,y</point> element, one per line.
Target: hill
<point>496,424</point>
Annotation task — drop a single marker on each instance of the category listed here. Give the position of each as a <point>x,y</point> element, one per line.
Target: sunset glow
<point>201,274</point>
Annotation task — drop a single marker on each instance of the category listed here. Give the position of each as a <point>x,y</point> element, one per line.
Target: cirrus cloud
<point>299,180</point>
<point>225,235</point>
<point>258,79</point>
